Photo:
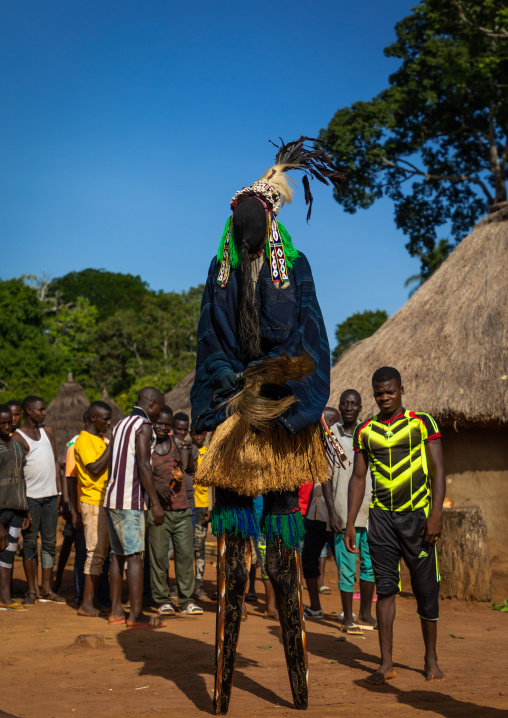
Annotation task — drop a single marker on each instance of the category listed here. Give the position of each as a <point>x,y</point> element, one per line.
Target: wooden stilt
<point>283,566</point>
<point>233,565</point>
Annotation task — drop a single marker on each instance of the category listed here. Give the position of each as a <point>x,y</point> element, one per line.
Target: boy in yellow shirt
<point>92,461</point>
<point>202,515</point>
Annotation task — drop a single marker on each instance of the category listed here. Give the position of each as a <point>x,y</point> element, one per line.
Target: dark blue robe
<point>290,321</point>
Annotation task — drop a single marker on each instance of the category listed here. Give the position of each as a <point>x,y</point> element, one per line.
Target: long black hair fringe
<point>249,313</point>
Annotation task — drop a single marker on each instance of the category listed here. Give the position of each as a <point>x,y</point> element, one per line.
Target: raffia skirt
<point>252,462</point>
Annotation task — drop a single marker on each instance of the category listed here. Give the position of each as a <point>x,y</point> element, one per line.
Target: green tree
<point>71,328</point>
<point>359,325</point>
<point>108,291</point>
<point>154,345</point>
<point>436,140</point>
<point>29,363</point>
<point>45,334</point>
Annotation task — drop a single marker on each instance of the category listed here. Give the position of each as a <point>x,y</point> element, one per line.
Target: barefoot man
<point>92,461</point>
<point>400,445</point>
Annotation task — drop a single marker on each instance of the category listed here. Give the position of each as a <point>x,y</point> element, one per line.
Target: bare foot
<point>272,613</point>
<point>91,612</point>
<point>432,670</point>
<point>381,676</point>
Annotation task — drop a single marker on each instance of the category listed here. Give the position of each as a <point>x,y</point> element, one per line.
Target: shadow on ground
<point>436,702</point>
<point>185,662</point>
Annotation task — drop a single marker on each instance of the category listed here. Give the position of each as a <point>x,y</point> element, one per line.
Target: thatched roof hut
<point>116,413</point>
<point>179,397</point>
<point>65,413</point>
<point>449,341</point>
<point>450,344</point>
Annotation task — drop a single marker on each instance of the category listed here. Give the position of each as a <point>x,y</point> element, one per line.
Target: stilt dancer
<point>262,381</point>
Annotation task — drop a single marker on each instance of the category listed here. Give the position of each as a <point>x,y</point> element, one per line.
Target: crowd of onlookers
<point>131,503</point>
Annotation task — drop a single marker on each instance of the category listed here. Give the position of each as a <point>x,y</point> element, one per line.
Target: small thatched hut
<point>450,344</point>
<point>179,397</point>
<point>116,413</point>
<point>65,413</point>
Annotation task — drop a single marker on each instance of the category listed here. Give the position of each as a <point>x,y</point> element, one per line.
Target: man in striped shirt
<point>130,487</point>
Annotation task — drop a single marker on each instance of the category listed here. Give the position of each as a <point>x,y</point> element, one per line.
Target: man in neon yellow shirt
<point>92,460</point>
<point>403,451</point>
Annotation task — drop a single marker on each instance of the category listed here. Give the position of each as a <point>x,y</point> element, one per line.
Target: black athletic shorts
<point>315,540</point>
<point>393,535</point>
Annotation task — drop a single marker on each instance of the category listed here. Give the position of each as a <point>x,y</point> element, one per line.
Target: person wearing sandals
<point>350,406</point>
<point>130,487</point>
<point>45,493</point>
<point>13,506</point>
<point>176,526</point>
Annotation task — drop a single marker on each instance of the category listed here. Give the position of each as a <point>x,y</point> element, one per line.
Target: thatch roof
<point>65,413</point>
<point>449,341</point>
<point>179,397</point>
<point>116,413</point>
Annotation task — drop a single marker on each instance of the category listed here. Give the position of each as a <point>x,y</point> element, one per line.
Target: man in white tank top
<point>44,490</point>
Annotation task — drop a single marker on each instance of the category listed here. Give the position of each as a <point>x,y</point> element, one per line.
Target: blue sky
<point>127,126</point>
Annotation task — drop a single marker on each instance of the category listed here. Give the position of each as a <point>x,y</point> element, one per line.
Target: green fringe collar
<point>290,250</point>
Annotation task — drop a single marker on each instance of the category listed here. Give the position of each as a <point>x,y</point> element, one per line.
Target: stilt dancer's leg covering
<point>283,566</point>
<point>233,565</point>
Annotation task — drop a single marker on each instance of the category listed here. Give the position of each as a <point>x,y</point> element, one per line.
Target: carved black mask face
<point>249,224</point>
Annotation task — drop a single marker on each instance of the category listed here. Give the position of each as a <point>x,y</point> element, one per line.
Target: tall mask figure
<point>262,382</point>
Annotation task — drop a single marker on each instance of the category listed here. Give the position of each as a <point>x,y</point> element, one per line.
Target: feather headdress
<point>274,186</point>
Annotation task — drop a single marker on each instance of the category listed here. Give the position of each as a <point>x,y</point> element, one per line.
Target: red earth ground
<point>169,671</point>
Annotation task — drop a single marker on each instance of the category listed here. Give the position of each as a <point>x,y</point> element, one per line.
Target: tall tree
<point>108,291</point>
<point>154,345</point>
<point>436,140</point>
<point>359,325</point>
<point>29,362</point>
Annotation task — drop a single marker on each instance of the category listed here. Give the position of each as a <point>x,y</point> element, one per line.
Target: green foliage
<point>442,122</point>
<point>107,291</point>
<point>503,607</point>
<point>25,351</point>
<point>158,340</point>
<point>356,327</point>
<point>45,334</point>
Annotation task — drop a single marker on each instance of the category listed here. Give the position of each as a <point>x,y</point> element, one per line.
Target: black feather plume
<point>313,162</point>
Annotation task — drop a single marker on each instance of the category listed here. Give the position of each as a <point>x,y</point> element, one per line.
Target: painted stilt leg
<point>283,566</point>
<point>233,565</point>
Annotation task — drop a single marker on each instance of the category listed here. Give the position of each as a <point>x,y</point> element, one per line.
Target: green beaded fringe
<point>288,527</point>
<point>290,250</point>
<point>240,522</point>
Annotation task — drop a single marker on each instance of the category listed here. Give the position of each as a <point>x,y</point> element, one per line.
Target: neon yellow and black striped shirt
<point>397,458</point>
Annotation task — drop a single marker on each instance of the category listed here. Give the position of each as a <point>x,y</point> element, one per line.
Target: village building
<point>450,344</point>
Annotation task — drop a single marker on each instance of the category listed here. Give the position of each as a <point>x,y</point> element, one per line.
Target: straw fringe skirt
<point>252,462</point>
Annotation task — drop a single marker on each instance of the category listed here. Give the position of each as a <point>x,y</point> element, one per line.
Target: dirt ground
<point>170,671</point>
